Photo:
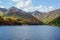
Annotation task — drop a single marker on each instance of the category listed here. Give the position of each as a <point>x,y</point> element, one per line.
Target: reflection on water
<point>29,33</point>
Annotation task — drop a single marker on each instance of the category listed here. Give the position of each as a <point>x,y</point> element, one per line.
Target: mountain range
<point>44,17</point>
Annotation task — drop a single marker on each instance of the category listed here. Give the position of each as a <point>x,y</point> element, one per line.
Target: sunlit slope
<point>1,13</point>
<point>52,15</point>
<point>55,22</point>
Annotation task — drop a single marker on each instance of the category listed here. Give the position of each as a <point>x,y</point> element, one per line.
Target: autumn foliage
<point>16,21</point>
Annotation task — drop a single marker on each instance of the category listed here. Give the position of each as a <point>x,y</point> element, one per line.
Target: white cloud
<point>28,2</point>
<point>20,4</point>
<point>2,7</point>
<point>44,8</point>
<point>51,8</point>
<point>28,6</point>
<point>23,4</point>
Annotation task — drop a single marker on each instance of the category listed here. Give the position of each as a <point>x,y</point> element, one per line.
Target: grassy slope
<point>55,22</point>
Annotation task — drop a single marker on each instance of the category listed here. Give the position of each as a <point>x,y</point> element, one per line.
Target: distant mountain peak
<point>14,7</point>
<point>3,9</point>
<point>37,11</point>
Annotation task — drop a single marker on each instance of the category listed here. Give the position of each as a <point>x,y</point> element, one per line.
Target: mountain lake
<point>39,32</point>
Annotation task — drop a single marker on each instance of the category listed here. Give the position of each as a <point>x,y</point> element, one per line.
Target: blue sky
<point>32,5</point>
<point>55,3</point>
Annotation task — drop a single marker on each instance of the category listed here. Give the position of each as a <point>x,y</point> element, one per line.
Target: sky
<point>31,5</point>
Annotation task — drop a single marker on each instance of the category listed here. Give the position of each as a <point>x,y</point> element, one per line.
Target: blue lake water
<point>42,32</point>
